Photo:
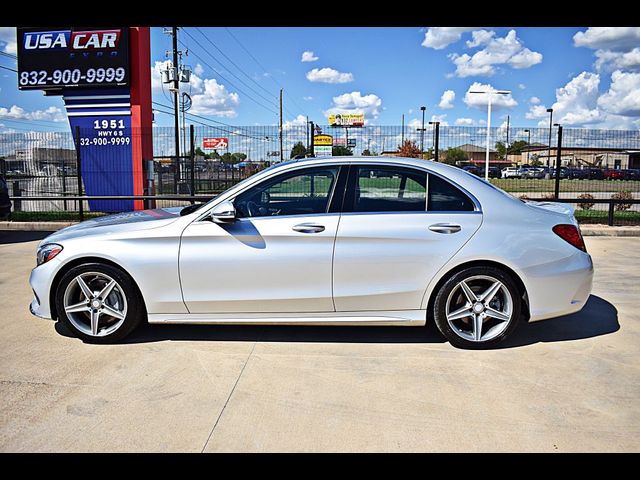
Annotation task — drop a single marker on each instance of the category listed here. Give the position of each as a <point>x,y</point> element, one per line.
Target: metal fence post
<point>17,204</point>
<point>558,163</point>
<point>79,174</point>
<point>193,161</point>
<point>64,182</point>
<point>437,143</point>
<point>610,215</point>
<point>311,140</point>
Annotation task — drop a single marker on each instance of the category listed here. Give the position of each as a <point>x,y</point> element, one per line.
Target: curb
<point>587,230</point>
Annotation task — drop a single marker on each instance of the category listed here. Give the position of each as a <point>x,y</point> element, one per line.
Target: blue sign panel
<point>106,141</point>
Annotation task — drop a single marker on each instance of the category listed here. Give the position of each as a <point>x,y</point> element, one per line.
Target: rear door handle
<point>308,228</point>
<point>445,228</point>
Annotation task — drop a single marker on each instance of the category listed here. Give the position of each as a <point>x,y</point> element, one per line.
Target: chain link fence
<point>599,170</point>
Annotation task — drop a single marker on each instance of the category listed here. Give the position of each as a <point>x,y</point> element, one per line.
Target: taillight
<point>570,234</point>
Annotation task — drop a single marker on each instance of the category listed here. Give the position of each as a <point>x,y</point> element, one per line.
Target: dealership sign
<point>216,142</point>
<point>346,120</point>
<point>322,150</point>
<point>322,140</point>
<point>72,57</point>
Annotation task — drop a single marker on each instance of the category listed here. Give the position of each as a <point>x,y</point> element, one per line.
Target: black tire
<point>136,312</point>
<point>439,307</point>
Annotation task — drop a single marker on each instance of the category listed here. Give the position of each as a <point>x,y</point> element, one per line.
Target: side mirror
<point>223,212</point>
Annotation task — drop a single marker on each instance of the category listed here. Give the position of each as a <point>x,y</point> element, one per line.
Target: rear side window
<point>387,189</point>
<point>445,197</point>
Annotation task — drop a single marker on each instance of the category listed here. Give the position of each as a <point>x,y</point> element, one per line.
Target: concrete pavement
<point>569,384</point>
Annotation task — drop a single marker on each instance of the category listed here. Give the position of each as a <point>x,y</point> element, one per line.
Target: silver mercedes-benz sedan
<point>331,241</point>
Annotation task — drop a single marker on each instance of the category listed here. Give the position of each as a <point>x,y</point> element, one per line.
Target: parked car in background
<point>510,172</point>
<point>472,169</point>
<point>614,174</point>
<point>534,172</point>
<point>523,171</point>
<point>564,172</point>
<point>632,174</point>
<point>577,174</point>
<point>494,172</point>
<point>5,203</point>
<point>595,173</point>
<point>334,241</point>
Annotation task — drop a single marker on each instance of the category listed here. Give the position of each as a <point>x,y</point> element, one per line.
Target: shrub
<point>549,196</point>
<point>586,206</point>
<point>622,195</point>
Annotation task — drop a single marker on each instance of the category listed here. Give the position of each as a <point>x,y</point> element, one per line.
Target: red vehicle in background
<point>613,174</point>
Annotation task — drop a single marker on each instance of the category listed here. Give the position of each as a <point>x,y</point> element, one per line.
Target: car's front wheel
<point>477,307</point>
<point>99,303</point>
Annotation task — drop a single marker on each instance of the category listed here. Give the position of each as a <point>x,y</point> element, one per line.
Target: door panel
<point>259,265</point>
<point>384,261</point>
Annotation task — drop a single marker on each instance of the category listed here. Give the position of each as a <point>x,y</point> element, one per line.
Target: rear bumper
<point>559,288</point>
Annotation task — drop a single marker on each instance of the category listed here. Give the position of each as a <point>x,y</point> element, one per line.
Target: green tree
<point>409,149</point>
<point>368,153</point>
<point>215,155</point>
<point>340,150</point>
<point>298,150</point>
<point>238,157</point>
<point>514,149</point>
<point>536,162</point>
<point>198,151</point>
<point>453,155</point>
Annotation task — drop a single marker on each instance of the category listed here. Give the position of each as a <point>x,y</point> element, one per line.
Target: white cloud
<point>534,100</point>
<point>464,121</point>
<point>328,75</point>
<point>576,103</point>
<point>215,100</point>
<point>54,114</point>
<point>611,38</point>
<point>522,86</point>
<point>441,37</point>
<point>199,70</point>
<point>299,121</point>
<point>623,96</point>
<point>307,98</point>
<point>480,37</point>
<point>507,50</point>
<point>8,40</point>
<point>355,102</point>
<point>480,100</point>
<point>610,60</point>
<point>308,56</point>
<point>440,118</point>
<point>446,101</point>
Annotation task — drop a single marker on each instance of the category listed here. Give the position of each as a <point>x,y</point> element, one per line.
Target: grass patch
<point>543,185</point>
<point>601,216</point>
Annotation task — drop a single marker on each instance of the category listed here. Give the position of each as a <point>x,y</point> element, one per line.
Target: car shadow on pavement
<point>16,236</point>
<point>598,317</point>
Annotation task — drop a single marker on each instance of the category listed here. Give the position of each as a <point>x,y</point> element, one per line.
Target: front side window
<point>387,189</point>
<point>302,192</point>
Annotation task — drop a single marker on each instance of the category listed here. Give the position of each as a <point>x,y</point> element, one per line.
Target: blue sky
<point>590,76</point>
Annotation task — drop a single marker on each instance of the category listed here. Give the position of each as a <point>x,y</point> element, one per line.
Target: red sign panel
<point>215,142</point>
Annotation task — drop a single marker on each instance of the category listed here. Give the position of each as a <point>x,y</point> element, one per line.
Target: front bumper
<point>41,279</point>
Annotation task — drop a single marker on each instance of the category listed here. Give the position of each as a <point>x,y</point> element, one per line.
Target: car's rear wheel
<point>99,303</point>
<point>477,307</point>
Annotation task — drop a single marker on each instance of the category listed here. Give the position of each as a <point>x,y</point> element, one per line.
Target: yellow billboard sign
<point>346,120</point>
<point>323,140</point>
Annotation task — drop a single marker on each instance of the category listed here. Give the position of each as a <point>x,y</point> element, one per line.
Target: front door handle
<point>308,228</point>
<point>445,228</point>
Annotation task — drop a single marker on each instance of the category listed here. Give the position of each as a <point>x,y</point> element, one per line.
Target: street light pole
<point>489,94</point>
<point>423,108</point>
<point>550,112</point>
<point>528,143</point>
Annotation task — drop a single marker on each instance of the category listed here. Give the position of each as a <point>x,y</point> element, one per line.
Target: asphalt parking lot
<point>569,384</point>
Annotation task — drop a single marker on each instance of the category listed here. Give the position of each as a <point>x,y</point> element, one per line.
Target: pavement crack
<point>228,398</point>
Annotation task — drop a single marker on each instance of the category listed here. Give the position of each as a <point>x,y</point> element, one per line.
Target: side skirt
<point>401,317</point>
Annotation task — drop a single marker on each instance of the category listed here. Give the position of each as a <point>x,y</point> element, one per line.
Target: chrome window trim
<point>359,161</point>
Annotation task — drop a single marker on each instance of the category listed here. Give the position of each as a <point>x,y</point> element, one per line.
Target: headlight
<point>47,252</point>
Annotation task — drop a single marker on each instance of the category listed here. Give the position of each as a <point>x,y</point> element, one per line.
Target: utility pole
<point>281,153</point>
<point>176,114</point>
<point>402,142</point>
<point>307,124</point>
<point>507,143</point>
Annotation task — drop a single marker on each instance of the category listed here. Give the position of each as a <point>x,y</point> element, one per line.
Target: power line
<point>262,67</point>
<point>8,68</point>
<point>10,55</point>
<point>232,62</point>
<point>222,77</point>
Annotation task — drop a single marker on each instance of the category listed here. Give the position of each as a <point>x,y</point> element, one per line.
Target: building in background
<point>578,157</point>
